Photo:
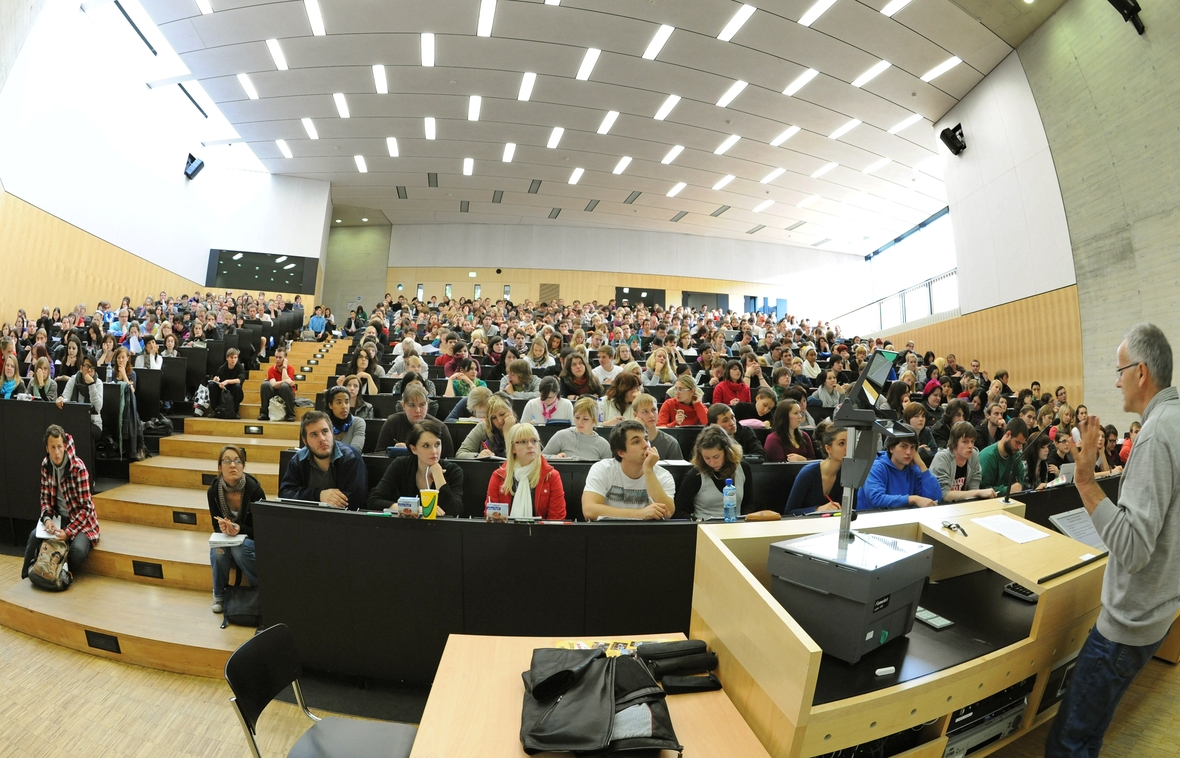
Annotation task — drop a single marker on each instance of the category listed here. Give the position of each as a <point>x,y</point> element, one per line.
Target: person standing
<point>65,494</point>
<point>1142,532</point>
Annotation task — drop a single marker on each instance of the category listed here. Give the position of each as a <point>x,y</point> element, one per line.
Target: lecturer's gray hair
<point>1146,343</point>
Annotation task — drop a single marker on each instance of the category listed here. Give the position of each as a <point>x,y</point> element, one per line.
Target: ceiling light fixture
<point>282,258</point>
<point>773,175</point>
<point>289,266</point>
<point>427,48</point>
<point>238,256</point>
<point>800,82</point>
<point>942,68</point>
<point>473,106</point>
<point>552,2</point>
<point>734,90</point>
<point>314,18</point>
<point>341,104</point>
<point>526,86</point>
<point>667,107</point>
<point>808,201</point>
<point>310,129</point>
<point>763,206</point>
<point>621,166</point>
<point>676,190</point>
<point>876,165</point>
<point>487,12</point>
<point>657,42</point>
<point>364,220</point>
<point>248,85</point>
<point>282,145</point>
<point>824,170</point>
<point>871,74</point>
<point>739,19</point>
<point>339,221</point>
<point>894,6</point>
<point>671,156</point>
<point>723,181</point>
<point>430,127</point>
<point>845,129</point>
<point>607,122</point>
<point>391,144</point>
<point>379,80</point>
<point>814,12</point>
<point>360,164</point>
<point>509,151</point>
<point>555,137</point>
<point>276,54</point>
<point>791,132</point>
<point>204,7</point>
<point>588,62</point>
<point>906,123</point>
<point>574,177</point>
<point>468,166</point>
<point>729,142</point>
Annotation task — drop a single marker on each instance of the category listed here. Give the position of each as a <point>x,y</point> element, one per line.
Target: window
<point>507,291</point>
<point>478,291</point>
<point>421,292</point>
<point>447,291</point>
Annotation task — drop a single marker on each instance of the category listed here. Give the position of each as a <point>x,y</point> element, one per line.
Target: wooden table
<point>474,706</point>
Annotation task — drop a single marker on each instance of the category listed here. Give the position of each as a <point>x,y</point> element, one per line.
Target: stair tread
<point>246,442</point>
<point>154,494</point>
<point>205,466</point>
<point>154,542</point>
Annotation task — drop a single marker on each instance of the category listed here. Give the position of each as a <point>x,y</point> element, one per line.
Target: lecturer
<point>1142,532</point>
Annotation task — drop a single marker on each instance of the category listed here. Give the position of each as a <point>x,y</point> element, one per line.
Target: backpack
<point>241,604</point>
<point>201,400</point>
<point>50,571</point>
<point>225,406</point>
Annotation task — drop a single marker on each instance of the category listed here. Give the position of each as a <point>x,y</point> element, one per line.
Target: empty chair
<point>264,665</point>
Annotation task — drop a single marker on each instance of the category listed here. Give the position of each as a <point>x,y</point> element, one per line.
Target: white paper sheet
<point>1010,528</point>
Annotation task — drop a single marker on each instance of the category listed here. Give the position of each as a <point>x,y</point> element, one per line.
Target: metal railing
<point>935,295</point>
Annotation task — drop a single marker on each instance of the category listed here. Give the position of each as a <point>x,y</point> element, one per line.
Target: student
<point>360,368</point>
<point>761,410</point>
<point>229,497</point>
<point>538,356</point>
<point>915,416</point>
<point>732,389</point>
<point>487,439</point>
<point>526,482</point>
<point>683,406</point>
<point>577,379</point>
<point>786,441</point>
<point>280,380</point>
<point>549,406</point>
<point>899,478</point>
<point>65,494</point>
<point>1125,450</point>
<point>616,406</point>
<point>1059,453</point>
<point>956,411</point>
<point>10,382</point>
<point>357,404</point>
<point>519,382</point>
<point>830,393</point>
<point>150,357</point>
<point>715,458</point>
<point>932,399</point>
<point>990,432</point>
<point>817,487</point>
<point>347,429</point>
<point>1000,462</point>
<point>464,378</point>
<point>630,484</point>
<point>229,378</point>
<point>474,406</point>
<point>41,385</point>
<point>722,416</point>
<point>425,468</point>
<point>956,466</point>
<point>658,370</point>
<point>606,370</point>
<point>644,408</point>
<point>580,441</point>
<point>1080,415</point>
<point>396,429</point>
<point>1036,462</point>
<point>84,387</point>
<point>323,470</point>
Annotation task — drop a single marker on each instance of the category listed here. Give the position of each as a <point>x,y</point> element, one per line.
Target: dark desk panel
<point>147,391</point>
<point>22,450</point>
<point>173,379</point>
<point>198,358</point>
<point>1039,506</point>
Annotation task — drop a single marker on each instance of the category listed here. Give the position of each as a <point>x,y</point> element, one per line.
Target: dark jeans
<point>79,552</point>
<point>284,391</point>
<point>1104,671</point>
<point>234,390</point>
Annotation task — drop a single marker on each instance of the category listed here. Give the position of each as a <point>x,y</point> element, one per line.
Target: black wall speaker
<point>952,137</point>
<point>193,167</point>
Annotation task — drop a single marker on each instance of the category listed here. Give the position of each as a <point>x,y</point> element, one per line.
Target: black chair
<point>264,665</point>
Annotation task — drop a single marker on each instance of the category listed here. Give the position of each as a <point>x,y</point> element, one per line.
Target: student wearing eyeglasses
<point>230,497</point>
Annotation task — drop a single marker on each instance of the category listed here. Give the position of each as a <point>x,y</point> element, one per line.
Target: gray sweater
<point>1141,592</point>
<point>943,467</point>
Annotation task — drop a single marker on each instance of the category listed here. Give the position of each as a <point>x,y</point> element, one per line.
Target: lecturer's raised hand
<point>1086,457</point>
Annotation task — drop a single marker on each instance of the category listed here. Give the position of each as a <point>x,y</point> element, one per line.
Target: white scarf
<point>522,498</point>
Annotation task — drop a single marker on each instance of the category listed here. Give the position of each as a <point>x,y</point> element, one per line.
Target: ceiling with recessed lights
<point>802,122</point>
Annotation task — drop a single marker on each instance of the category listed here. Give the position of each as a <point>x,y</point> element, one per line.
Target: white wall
<point>1011,236</point>
<point>815,283</point>
<point>83,138</point>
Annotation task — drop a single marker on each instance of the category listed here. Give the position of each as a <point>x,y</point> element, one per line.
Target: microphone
<point>1011,477</point>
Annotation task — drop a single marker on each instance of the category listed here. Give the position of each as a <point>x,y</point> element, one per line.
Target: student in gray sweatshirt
<point>580,441</point>
<point>956,466</point>
<point>1142,532</point>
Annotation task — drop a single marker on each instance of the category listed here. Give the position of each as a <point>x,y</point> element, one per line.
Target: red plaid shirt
<point>76,483</point>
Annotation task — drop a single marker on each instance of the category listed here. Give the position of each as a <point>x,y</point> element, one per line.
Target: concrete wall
<point>355,265</point>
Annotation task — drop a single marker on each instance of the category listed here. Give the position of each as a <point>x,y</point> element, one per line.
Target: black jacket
<point>400,480</point>
<point>351,477</point>
<point>252,494</point>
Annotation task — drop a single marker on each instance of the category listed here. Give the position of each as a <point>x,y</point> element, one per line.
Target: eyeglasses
<point>528,443</point>
<point>231,461</point>
<point>1119,371</point>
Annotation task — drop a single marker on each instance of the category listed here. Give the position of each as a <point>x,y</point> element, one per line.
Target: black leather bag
<point>241,605</point>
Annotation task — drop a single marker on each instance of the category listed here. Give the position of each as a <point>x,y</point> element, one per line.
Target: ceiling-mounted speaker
<point>1130,10</point>
<point>193,167</point>
<point>952,137</point>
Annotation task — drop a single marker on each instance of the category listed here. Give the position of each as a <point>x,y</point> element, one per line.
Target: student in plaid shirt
<point>65,492</point>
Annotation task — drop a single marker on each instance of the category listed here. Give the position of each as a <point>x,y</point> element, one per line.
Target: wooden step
<point>152,505</point>
<point>158,627</point>
<point>252,390</point>
<point>153,555</point>
<point>196,473</point>
<point>250,411</point>
<point>258,449</point>
<point>246,426</point>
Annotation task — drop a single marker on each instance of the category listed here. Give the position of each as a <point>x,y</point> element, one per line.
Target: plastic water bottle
<point>729,497</point>
<point>110,373</point>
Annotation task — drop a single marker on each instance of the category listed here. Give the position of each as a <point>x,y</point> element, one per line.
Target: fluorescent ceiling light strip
<point>734,90</point>
<point>555,137</point>
<point>248,86</point>
<point>204,7</point>
<point>729,142</point>
<point>238,256</point>
<point>667,107</point>
<point>773,175</point>
<point>310,129</point>
<point>845,129</point>
<point>906,123</point>
<point>588,62</point>
<point>894,6</point>
<point>763,206</point>
<point>607,121</point>
<point>824,170</point>
<point>808,201</point>
<point>574,177</point>
<point>552,2</point>
<point>876,165</point>
<point>379,80</point>
<point>468,166</point>
<point>871,74</point>
<point>676,190</point>
<point>942,68</point>
<point>429,124</point>
<point>671,156</point>
<point>282,145</point>
<point>621,166</point>
<point>276,54</point>
<point>723,181</point>
<point>526,86</point>
<point>800,82</point>
<point>314,18</point>
<point>791,132</point>
<point>341,104</point>
<point>657,42</point>
<point>427,48</point>
<point>473,106</point>
<point>360,164</point>
<point>391,144</point>
<point>739,19</point>
<point>814,12</point>
<point>509,151</point>
<point>487,13</point>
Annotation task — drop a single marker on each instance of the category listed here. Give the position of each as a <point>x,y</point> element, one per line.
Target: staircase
<point>144,595</point>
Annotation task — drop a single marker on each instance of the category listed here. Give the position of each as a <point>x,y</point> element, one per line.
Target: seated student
<point>487,439</point>
<point>538,356</point>
<point>992,429</point>
<point>577,379</point>
<point>229,378</point>
<point>616,405</point>
<point>733,387</point>
<point>230,496</point>
<point>1059,452</point>
<point>780,380</point>
<point>932,399</point>
<point>357,404</point>
<point>762,409</point>
<point>280,380</point>
<point>464,377</point>
<point>715,458</point>
<point>956,466</point>
<point>419,380</point>
<point>1000,462</point>
<point>830,392</point>
<point>606,370</point>
<point>318,325</point>
<point>956,411</point>
<point>397,427</point>
<point>150,358</point>
<point>41,386</point>
<point>915,416</point>
<point>347,429</point>
<point>526,482</point>
<point>1029,415</point>
<point>549,406</point>
<point>629,484</point>
<point>360,368</point>
<point>519,382</point>
<point>10,381</point>
<point>1036,462</point>
<point>665,444</point>
<point>323,470</point>
<point>425,468</point>
<point>580,441</point>
<point>474,406</point>
<point>659,370</point>
<point>896,398</point>
<point>1129,442</point>
<point>683,407</point>
<point>84,387</point>
<point>817,487</point>
<point>1045,417</point>
<point>899,478</point>
<point>65,494</point>
<point>722,415</point>
<point>71,359</point>
<point>1080,415</point>
<point>786,441</point>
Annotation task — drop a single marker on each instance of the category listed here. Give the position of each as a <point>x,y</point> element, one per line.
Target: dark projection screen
<point>241,270</point>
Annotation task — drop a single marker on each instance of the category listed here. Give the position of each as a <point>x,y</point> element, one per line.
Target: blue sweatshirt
<point>891,487</point>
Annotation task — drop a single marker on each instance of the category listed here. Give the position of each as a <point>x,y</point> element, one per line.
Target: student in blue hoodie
<point>899,479</point>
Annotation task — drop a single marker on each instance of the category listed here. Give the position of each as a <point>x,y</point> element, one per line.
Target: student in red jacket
<point>526,481</point>
<point>280,380</point>
<point>684,407</point>
<point>732,389</point>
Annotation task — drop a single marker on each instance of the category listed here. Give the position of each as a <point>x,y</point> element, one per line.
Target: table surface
<point>475,703</point>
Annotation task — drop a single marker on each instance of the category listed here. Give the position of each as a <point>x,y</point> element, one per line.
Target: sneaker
<point>262,417</point>
<point>289,417</point>
<point>217,606</point>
